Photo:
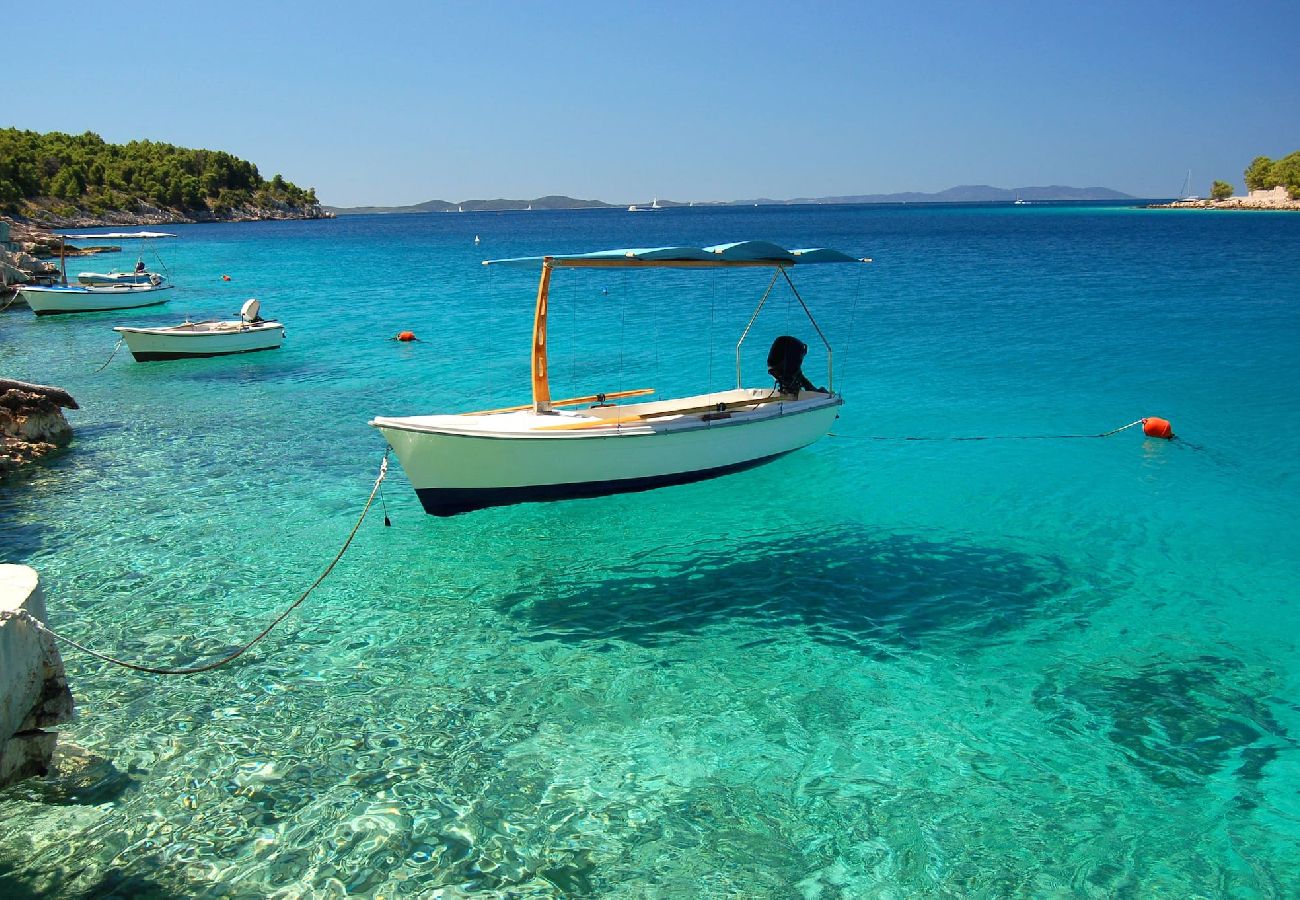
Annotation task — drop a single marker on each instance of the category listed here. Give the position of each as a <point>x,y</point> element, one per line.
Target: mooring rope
<point>25,616</point>
<point>990,437</point>
<point>110,356</point>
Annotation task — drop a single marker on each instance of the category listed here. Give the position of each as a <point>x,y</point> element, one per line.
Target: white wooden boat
<point>99,279</point>
<point>48,300</point>
<point>587,446</point>
<point>247,334</point>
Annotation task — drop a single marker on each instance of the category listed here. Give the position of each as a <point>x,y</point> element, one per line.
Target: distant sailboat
<point>1183,195</point>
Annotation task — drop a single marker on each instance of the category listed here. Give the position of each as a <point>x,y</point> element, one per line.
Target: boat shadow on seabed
<point>880,595</point>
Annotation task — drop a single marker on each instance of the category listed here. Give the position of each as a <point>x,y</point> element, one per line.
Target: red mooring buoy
<point>225,277</point>
<point>1155,427</point>
<point>407,336</point>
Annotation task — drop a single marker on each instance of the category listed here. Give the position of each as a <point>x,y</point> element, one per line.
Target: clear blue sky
<point>393,103</point>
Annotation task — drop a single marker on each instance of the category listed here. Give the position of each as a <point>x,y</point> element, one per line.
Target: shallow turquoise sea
<point>876,667</point>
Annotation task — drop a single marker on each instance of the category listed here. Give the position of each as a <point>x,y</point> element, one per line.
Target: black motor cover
<point>785,364</point>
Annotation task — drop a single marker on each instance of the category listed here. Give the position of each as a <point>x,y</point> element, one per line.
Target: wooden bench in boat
<point>706,413</point>
<point>595,399</point>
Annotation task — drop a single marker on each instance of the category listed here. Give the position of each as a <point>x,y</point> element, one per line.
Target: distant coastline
<point>1275,199</point>
<point>977,193</point>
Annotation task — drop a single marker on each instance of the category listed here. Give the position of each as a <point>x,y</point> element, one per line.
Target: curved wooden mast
<point>541,381</point>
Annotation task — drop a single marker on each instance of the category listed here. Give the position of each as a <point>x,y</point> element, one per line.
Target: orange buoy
<point>406,336</point>
<point>1157,428</point>
<point>225,277</point>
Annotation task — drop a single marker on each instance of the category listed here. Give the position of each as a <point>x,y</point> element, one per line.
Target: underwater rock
<point>31,422</point>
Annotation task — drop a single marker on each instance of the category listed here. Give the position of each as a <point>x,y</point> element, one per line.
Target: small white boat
<point>537,451</point>
<point>191,340</point>
<point>48,300</point>
<point>99,279</point>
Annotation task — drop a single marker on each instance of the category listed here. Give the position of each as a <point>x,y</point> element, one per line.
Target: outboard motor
<point>249,311</point>
<point>785,364</point>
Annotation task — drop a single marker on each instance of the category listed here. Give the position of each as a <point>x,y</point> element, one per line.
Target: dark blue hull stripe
<point>68,312</point>
<point>155,357</point>
<point>452,501</point>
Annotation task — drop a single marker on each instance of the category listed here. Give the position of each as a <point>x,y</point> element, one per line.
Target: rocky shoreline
<point>1275,199</point>
<point>32,425</point>
<point>48,212</point>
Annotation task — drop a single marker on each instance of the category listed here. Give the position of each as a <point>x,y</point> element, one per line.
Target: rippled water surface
<point>876,667</point>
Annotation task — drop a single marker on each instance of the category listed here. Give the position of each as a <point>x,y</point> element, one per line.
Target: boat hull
<point>157,344</point>
<point>59,299</point>
<point>454,472</point>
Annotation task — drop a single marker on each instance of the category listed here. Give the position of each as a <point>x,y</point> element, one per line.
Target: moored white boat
<point>189,340</point>
<point>538,451</point>
<point>46,300</point>
<point>107,278</point>
<point>459,463</point>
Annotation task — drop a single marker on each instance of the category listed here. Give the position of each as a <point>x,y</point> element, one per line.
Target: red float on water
<point>406,336</point>
<point>1157,428</point>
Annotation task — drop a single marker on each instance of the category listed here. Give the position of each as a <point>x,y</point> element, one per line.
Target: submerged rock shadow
<point>1182,722</point>
<point>878,594</point>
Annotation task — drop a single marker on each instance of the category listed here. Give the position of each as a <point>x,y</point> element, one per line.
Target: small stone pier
<point>33,689</point>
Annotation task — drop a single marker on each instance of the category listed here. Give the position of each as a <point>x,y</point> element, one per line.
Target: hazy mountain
<point>970,193</point>
<point>966,193</point>
<point>498,205</point>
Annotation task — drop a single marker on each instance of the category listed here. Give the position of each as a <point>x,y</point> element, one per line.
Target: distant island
<point>62,180</point>
<point>970,193</point>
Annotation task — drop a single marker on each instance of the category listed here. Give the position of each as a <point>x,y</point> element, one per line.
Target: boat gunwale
<point>671,424</point>
<point>169,330</point>
<point>102,289</point>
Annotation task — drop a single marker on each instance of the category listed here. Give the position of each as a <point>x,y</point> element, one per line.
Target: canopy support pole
<point>541,378</point>
<point>757,310</point>
<point>830,368</point>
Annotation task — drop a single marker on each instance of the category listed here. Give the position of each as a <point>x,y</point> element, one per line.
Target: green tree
<point>1259,174</point>
<point>1286,172</point>
<point>66,185</point>
<point>1220,190</point>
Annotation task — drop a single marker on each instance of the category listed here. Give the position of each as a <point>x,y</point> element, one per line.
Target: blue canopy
<point>739,253</point>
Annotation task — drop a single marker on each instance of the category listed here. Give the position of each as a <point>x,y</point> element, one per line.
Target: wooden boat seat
<point>705,413</point>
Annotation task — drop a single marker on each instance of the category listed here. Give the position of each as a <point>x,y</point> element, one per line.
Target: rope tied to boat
<point>116,347</point>
<point>24,615</point>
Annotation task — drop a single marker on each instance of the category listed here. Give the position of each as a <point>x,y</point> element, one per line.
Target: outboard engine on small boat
<point>785,364</point>
<point>249,311</point>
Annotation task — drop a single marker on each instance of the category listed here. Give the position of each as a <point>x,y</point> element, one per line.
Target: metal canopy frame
<point>540,373</point>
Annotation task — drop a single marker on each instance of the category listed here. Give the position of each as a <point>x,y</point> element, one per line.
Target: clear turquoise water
<point>873,668</point>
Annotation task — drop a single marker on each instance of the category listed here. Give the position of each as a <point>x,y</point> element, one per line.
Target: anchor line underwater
<point>116,347</point>
<point>24,615</point>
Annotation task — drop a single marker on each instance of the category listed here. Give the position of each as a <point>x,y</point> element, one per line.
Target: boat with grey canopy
<point>590,446</point>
